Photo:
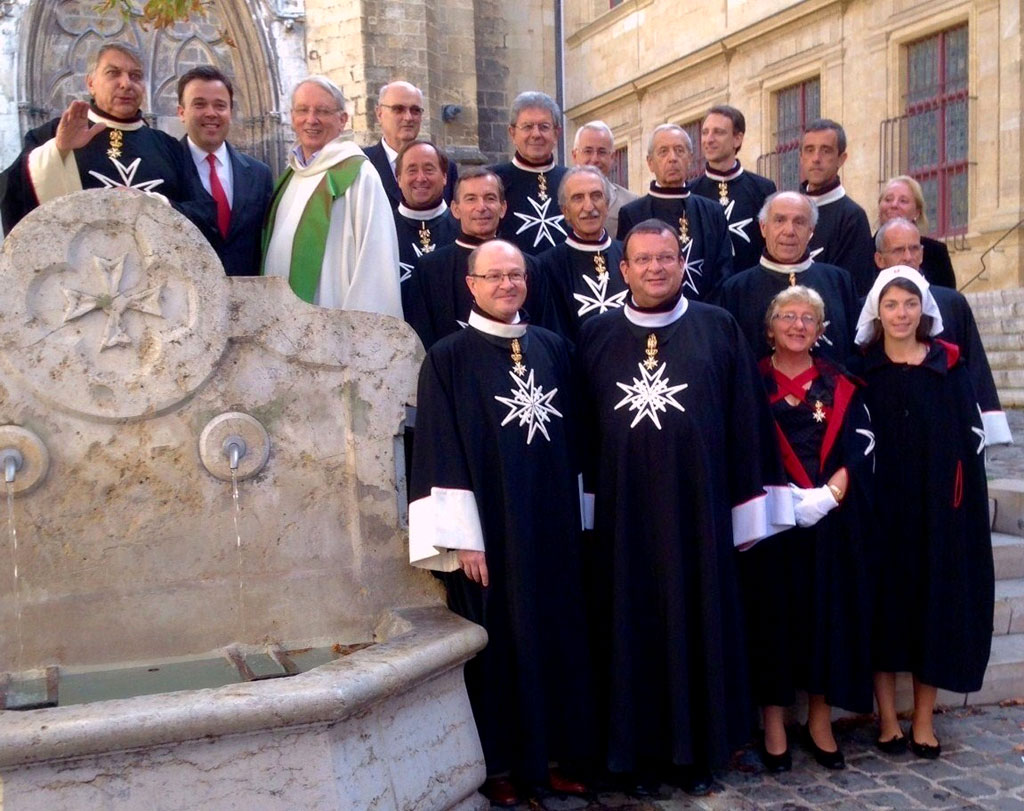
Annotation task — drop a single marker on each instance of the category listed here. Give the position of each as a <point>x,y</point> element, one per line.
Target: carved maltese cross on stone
<point>113,302</point>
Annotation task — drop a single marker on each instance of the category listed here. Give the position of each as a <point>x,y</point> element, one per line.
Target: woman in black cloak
<point>806,590</point>
<point>934,578</point>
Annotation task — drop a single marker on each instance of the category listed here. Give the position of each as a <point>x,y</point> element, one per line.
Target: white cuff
<point>997,429</point>
<point>52,176</point>
<point>762,516</point>
<point>440,523</point>
<point>586,507</point>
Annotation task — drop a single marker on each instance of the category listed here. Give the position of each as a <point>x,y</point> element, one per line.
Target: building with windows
<point>930,88</point>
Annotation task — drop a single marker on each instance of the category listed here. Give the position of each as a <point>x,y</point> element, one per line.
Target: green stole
<point>310,241</point>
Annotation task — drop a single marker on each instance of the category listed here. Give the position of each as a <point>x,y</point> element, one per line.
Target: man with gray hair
<point>699,223</point>
<point>102,143</point>
<point>594,145</point>
<point>787,221</point>
<point>400,112</point>
<point>582,272</point>
<point>330,231</point>
<point>532,222</point>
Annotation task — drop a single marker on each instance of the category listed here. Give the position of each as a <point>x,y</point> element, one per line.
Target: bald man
<point>400,111</point>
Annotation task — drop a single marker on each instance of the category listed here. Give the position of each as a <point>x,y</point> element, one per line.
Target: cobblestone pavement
<point>982,767</point>
<point>982,763</point>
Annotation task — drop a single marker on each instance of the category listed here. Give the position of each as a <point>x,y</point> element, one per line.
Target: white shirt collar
<point>780,267</point>
<point>654,320</point>
<point>199,154</point>
<point>391,153</point>
<point>535,169</point>
<point>838,193</point>
<point>427,214</point>
<point>491,327</point>
<point>590,247</point>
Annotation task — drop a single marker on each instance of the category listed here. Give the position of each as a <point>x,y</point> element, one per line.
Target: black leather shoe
<point>925,750</point>
<point>830,760</point>
<point>896,745</point>
<point>775,764</point>
<point>695,780</point>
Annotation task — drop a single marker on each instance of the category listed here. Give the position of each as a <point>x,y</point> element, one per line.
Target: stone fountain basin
<point>386,727</point>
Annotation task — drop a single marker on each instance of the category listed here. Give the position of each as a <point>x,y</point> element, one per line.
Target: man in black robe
<point>495,504</point>
<point>423,222</point>
<point>898,242</point>
<point>683,465</point>
<point>740,193</point>
<point>699,224</point>
<point>103,143</point>
<point>843,236</point>
<point>583,272</point>
<point>787,221</point>
<point>532,221</point>
<point>436,300</point>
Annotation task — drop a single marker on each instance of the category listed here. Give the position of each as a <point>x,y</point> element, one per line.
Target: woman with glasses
<point>934,577</point>
<point>806,590</point>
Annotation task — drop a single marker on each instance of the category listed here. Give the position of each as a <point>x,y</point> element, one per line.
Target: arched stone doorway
<point>60,36</point>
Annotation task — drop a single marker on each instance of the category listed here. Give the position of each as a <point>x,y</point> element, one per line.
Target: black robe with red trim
<point>807,591</point>
<point>934,575</point>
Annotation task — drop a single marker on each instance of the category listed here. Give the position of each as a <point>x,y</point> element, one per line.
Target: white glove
<point>811,504</point>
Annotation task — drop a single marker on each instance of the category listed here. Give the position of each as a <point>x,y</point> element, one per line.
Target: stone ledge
<point>437,642</point>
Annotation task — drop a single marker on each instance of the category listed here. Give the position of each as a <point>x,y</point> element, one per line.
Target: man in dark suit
<point>400,113</point>
<point>235,187</point>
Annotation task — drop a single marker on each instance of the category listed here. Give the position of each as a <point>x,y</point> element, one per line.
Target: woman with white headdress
<point>934,574</point>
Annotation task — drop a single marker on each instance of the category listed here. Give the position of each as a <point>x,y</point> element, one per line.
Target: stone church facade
<point>927,87</point>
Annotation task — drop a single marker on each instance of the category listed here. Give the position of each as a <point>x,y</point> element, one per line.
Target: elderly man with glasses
<point>533,222</point>
<point>330,231</point>
<point>594,145</point>
<point>494,504</point>
<point>400,111</point>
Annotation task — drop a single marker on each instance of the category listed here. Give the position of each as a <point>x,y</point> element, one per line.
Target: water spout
<point>12,462</point>
<point>234,449</point>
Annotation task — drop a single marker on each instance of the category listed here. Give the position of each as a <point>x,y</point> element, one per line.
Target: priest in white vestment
<point>330,230</point>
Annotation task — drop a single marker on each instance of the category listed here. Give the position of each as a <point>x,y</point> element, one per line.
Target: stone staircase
<point>1004,678</point>
<point>1000,317</point>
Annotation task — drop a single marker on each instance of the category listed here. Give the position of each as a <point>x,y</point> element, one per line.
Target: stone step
<point>1006,506</point>
<point>1004,678</point>
<point>995,298</point>
<point>1008,378</point>
<point>1008,615</point>
<point>1001,341</point>
<point>1011,398</point>
<point>1005,359</point>
<point>1008,556</point>
<point>987,326</point>
<point>1002,309</point>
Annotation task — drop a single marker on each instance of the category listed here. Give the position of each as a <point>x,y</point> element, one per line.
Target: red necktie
<point>219,197</point>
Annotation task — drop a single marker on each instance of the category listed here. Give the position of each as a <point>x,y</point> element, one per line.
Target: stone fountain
<point>183,648</point>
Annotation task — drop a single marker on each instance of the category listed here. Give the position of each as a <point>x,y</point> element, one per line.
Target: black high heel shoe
<point>829,760</point>
<point>925,750</point>
<point>775,764</point>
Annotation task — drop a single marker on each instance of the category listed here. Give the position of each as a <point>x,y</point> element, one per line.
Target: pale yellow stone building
<point>930,86</point>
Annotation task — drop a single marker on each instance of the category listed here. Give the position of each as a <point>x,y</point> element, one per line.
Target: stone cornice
<point>605,20</point>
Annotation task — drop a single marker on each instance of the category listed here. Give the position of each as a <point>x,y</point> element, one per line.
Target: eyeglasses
<point>514,276</point>
<point>589,152</point>
<point>319,112</point>
<point>913,250</point>
<point>644,259</point>
<point>544,128</point>
<point>402,109</point>
<point>806,319</point>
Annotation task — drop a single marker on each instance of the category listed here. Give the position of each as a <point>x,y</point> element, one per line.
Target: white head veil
<point>869,313</point>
